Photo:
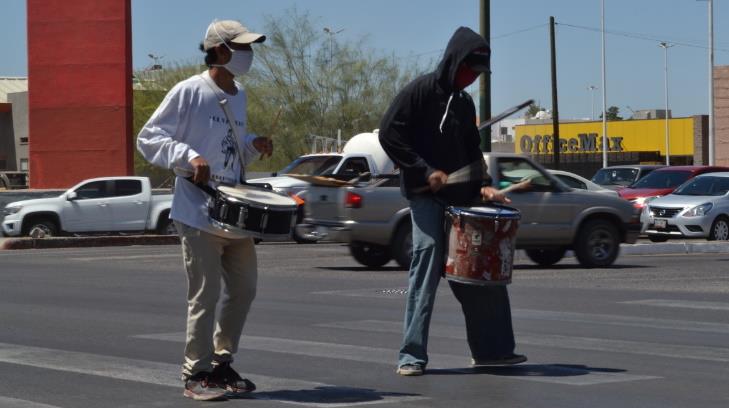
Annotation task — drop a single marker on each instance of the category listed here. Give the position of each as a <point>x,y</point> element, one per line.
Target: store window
<point>23,164</point>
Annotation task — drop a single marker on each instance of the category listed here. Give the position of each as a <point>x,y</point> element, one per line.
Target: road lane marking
<point>618,320</point>
<point>554,374</point>
<point>714,354</point>
<point>684,304</point>
<point>286,390</point>
<point>125,257</point>
<point>6,402</point>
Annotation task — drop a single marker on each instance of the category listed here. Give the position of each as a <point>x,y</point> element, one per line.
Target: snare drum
<point>254,212</point>
<point>481,243</point>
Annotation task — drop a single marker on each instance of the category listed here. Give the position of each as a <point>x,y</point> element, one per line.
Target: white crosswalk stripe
<point>685,304</point>
<point>716,354</point>
<point>164,374</point>
<point>558,374</point>
<point>6,402</point>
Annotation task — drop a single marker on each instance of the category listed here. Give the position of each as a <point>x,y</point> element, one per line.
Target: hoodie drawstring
<point>445,114</point>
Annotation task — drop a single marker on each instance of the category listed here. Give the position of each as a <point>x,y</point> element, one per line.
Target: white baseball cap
<point>232,31</point>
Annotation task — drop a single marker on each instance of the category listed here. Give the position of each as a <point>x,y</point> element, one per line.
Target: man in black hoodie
<point>430,131</point>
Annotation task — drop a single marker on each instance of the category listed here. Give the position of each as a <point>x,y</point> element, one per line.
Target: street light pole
<point>604,91</point>
<point>331,33</point>
<point>665,47</point>
<point>592,88</point>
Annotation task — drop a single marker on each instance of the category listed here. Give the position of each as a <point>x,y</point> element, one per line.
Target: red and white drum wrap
<point>481,244</point>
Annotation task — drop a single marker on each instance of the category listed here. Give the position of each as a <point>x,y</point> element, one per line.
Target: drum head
<point>257,195</point>
<point>490,211</point>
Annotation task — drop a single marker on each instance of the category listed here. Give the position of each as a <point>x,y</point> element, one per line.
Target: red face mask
<point>465,77</point>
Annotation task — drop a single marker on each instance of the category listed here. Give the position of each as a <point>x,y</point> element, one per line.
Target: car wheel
<point>371,255</point>
<point>402,245</point>
<point>657,238</point>
<point>546,257</point>
<point>597,244</point>
<point>166,226</point>
<point>719,229</point>
<point>41,227</point>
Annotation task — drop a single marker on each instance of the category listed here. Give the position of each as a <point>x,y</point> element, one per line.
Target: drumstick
<point>273,126</point>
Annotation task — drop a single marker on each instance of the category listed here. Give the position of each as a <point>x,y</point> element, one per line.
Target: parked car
<point>10,180</point>
<point>374,218</point>
<point>699,208</point>
<point>573,180</point>
<point>617,177</point>
<point>108,204</point>
<point>663,181</point>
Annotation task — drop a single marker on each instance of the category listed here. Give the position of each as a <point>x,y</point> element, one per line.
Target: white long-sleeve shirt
<point>189,123</point>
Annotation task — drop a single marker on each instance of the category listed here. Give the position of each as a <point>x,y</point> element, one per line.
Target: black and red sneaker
<point>226,378</point>
<point>199,388</point>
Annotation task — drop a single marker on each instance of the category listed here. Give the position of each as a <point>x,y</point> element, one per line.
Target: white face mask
<point>240,62</point>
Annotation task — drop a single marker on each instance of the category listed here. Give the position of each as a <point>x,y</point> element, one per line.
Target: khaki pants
<point>208,258</point>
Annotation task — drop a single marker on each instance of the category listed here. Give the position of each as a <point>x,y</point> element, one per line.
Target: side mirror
<point>71,196</point>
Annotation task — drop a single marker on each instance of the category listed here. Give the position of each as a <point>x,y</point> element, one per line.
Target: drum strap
<point>231,122</point>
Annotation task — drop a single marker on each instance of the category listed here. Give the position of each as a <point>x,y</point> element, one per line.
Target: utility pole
<point>711,84</point>
<point>665,47</point>
<point>484,95</point>
<point>555,108</point>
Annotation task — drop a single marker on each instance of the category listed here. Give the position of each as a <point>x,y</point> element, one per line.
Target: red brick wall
<point>79,90</point>
<point>721,115</point>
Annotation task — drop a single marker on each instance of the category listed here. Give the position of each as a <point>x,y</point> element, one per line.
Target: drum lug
<point>242,217</point>
<point>223,211</point>
<point>264,222</point>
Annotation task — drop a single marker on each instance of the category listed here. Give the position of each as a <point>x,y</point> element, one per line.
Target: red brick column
<point>79,90</point>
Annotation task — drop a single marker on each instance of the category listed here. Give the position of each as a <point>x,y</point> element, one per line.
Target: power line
<point>640,36</point>
<point>498,37</point>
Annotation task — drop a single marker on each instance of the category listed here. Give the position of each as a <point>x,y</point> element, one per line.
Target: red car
<point>663,181</point>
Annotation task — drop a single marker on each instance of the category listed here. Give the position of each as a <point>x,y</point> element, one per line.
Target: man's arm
<point>396,134</point>
<point>158,141</point>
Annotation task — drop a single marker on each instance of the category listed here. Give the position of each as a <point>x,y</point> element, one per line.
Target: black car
<point>617,177</point>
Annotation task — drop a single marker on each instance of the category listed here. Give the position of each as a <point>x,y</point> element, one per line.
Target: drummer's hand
<point>201,170</point>
<point>436,180</point>
<point>264,145</point>
<point>492,194</point>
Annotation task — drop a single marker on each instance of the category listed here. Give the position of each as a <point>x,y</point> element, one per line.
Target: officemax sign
<point>583,143</point>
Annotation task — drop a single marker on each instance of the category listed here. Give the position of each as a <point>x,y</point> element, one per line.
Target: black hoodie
<point>432,126</point>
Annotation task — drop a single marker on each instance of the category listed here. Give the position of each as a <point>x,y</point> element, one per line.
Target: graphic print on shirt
<point>228,149</point>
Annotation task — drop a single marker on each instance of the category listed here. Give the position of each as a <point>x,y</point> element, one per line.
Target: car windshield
<point>312,165</point>
<point>704,186</point>
<point>663,179</point>
<point>617,177</point>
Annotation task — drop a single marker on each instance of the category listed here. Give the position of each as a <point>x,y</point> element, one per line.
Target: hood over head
<point>463,42</point>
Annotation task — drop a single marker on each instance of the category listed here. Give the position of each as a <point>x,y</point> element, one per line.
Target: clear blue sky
<point>173,28</point>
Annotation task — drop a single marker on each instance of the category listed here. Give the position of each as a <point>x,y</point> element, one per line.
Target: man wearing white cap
<point>190,132</point>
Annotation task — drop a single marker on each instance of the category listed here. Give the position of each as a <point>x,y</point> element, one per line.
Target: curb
<point>79,242</point>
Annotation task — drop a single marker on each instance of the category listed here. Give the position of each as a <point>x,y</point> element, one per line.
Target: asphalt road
<point>104,328</point>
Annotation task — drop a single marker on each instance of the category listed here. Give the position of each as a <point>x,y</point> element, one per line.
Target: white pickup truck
<point>108,204</point>
<point>361,154</point>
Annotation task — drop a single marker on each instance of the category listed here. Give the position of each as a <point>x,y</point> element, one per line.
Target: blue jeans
<point>486,309</point>
<point>426,270</point>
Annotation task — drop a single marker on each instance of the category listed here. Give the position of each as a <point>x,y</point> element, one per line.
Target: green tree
<point>613,113</point>
<point>532,110</point>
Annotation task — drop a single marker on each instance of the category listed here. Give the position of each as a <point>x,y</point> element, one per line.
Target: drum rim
<point>512,213</point>
<point>273,207</point>
<point>220,190</point>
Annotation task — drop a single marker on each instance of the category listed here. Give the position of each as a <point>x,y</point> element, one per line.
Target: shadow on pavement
<point>528,370</point>
<point>328,395</point>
